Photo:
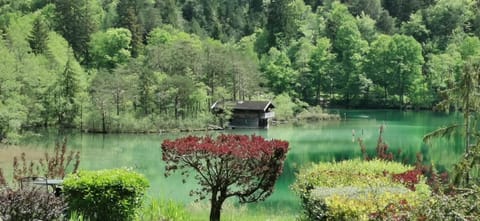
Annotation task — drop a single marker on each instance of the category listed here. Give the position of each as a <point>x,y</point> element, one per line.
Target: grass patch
<point>231,212</point>
<point>163,210</point>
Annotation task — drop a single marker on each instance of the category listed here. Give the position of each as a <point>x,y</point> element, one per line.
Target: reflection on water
<point>324,141</point>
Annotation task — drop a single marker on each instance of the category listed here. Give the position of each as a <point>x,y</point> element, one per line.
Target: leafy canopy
<point>229,165</point>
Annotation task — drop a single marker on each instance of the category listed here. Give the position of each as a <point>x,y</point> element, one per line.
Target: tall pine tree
<point>281,24</point>
<point>169,11</point>
<point>38,36</point>
<point>128,17</point>
<point>76,21</point>
<point>66,93</point>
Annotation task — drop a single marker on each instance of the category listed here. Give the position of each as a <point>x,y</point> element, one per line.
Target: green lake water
<point>324,141</point>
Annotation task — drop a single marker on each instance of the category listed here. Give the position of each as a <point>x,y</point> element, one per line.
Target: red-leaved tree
<point>230,165</point>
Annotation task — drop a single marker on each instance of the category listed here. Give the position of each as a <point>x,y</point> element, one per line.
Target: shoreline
<point>335,115</point>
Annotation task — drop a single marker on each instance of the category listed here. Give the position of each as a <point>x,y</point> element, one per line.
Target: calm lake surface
<point>324,141</point>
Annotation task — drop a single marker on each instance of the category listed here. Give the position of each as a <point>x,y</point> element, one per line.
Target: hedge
<point>357,190</point>
<point>106,194</point>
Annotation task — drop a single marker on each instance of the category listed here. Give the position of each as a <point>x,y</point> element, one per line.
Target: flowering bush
<point>359,190</point>
<point>229,165</point>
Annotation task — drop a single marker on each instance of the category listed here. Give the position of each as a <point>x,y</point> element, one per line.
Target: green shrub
<point>105,195</point>
<point>286,107</point>
<point>315,114</point>
<point>356,190</point>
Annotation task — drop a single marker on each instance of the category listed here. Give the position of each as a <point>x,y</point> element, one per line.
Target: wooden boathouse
<point>247,114</point>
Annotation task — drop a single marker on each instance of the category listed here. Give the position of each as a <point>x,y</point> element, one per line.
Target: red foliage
<point>434,180</point>
<point>239,146</point>
<point>409,178</point>
<point>228,165</point>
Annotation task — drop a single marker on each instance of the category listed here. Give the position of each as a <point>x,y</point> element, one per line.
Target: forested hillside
<point>144,65</point>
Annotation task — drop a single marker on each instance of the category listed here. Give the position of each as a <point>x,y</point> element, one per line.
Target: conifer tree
<point>168,11</point>
<point>128,17</point>
<point>76,21</point>
<point>462,94</point>
<point>281,24</point>
<point>38,36</point>
<point>66,91</point>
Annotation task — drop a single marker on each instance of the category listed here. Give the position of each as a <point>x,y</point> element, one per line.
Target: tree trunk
<point>234,87</point>
<point>402,91</point>
<point>216,207</point>
<point>104,128</point>
<point>385,95</point>
<point>467,132</point>
<point>81,117</point>
<point>212,87</point>
<point>45,121</point>
<point>117,103</point>
<point>402,103</point>
<point>176,108</point>
<point>215,211</point>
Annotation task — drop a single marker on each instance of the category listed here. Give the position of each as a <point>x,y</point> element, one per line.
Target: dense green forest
<point>144,65</point>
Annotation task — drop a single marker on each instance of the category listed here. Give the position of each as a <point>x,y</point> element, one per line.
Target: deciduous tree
<point>351,49</point>
<point>377,66</point>
<point>321,65</point>
<point>12,112</point>
<point>394,63</point>
<point>230,165</point>
<point>445,16</point>
<point>280,75</point>
<point>246,76</point>
<point>407,62</point>
<point>110,48</point>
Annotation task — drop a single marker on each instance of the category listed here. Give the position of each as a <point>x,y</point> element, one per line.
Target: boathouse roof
<point>244,105</point>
